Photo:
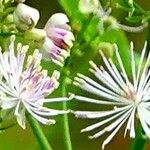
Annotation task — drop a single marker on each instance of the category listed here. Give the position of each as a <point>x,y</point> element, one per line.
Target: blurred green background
<point>17,139</point>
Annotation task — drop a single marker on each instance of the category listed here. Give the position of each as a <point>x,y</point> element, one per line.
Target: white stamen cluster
<point>130,98</point>
<point>24,85</point>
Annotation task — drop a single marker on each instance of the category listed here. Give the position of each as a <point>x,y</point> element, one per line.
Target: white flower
<point>25,17</point>
<point>59,38</point>
<point>130,98</point>
<point>24,86</point>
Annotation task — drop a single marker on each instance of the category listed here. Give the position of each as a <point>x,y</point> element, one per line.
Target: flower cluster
<point>130,98</point>
<point>55,40</point>
<point>25,85</point>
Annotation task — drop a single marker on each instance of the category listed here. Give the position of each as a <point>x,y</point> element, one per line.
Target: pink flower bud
<point>59,37</point>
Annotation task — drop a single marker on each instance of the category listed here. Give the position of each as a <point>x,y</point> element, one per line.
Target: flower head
<point>24,86</point>
<point>25,17</point>
<point>59,38</point>
<point>130,98</point>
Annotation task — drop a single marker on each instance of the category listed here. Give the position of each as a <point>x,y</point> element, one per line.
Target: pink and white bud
<point>59,37</point>
<point>54,53</point>
<point>25,17</point>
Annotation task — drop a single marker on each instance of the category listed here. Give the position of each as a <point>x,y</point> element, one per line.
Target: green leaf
<point>69,7</point>
<point>134,19</point>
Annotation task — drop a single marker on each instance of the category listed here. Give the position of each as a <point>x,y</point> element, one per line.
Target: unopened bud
<point>110,22</point>
<point>35,37</point>
<point>88,6</point>
<point>130,2</point>
<point>25,17</point>
<point>107,49</point>
<point>59,39</point>
<point>59,32</point>
<point>9,19</point>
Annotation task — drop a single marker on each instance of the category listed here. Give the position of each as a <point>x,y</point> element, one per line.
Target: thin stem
<point>138,144</point>
<point>148,37</point>
<point>137,10</point>
<point>67,138</point>
<point>84,28</point>
<point>139,141</point>
<point>37,130</point>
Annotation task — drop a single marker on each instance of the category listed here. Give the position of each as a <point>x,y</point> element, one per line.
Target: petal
<point>20,115</point>
<point>8,102</point>
<point>57,20</point>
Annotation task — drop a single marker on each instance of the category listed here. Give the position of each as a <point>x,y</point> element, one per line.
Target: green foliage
<point>88,37</point>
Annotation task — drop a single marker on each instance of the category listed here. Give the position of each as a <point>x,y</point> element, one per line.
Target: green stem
<point>11,33</point>
<point>148,37</point>
<point>67,138</point>
<point>139,141</point>
<point>37,130</point>
<point>138,144</point>
<point>84,28</point>
<point>137,10</point>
